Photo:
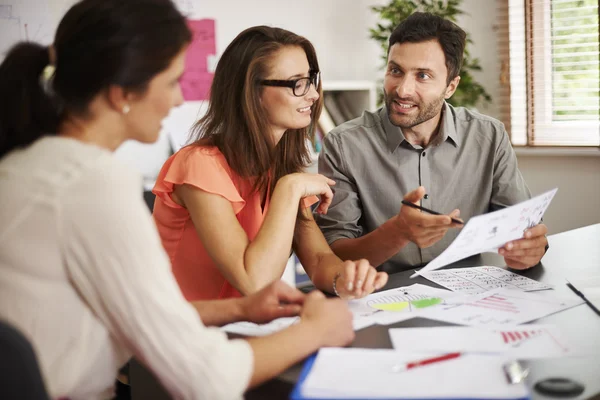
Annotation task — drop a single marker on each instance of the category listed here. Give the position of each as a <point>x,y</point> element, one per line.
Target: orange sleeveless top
<point>205,168</point>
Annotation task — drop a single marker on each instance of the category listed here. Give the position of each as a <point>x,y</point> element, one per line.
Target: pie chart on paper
<point>392,303</point>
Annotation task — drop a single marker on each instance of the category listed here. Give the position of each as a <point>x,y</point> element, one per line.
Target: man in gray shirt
<point>420,149</point>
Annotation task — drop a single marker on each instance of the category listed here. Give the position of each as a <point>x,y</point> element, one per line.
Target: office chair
<point>149,198</point>
<point>20,376</point>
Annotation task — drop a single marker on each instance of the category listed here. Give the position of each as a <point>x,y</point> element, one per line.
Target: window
<point>550,71</point>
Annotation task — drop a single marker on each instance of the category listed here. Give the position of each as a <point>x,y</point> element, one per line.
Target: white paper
<point>488,232</point>
<point>349,373</point>
<point>473,280</point>
<point>395,305</point>
<point>521,342</point>
<point>252,329</point>
<point>500,307</point>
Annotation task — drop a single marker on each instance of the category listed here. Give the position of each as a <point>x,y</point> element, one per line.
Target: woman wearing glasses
<point>232,205</point>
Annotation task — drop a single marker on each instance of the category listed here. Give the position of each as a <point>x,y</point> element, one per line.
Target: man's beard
<point>426,111</point>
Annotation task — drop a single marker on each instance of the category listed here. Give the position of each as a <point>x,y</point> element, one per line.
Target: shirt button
<point>426,196</point>
<point>423,154</point>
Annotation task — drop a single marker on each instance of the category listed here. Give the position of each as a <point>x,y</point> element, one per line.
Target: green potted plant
<point>469,91</point>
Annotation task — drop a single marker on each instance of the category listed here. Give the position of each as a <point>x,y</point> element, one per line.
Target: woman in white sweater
<point>82,271</point>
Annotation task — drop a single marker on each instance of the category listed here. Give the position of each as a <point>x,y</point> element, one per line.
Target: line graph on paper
<point>500,307</point>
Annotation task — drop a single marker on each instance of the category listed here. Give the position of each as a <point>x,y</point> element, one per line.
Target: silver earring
<point>126,109</point>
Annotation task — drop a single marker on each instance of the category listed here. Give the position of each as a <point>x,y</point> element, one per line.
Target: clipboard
<point>296,393</point>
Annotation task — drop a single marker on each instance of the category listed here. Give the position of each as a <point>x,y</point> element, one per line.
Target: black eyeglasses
<point>299,86</point>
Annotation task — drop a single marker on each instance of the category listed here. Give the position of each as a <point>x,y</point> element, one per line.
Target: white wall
<point>577,202</point>
<point>339,31</point>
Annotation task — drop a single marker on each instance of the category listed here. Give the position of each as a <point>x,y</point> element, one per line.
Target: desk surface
<point>572,254</point>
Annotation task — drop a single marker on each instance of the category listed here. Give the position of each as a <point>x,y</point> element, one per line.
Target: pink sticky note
<point>196,79</point>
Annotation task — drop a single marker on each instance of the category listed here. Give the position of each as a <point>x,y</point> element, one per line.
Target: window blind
<point>550,71</point>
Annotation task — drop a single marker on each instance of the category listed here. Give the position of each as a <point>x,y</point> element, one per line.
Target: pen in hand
<point>427,210</point>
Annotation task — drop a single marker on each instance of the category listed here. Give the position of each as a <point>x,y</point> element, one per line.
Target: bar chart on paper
<point>530,341</point>
<point>500,307</point>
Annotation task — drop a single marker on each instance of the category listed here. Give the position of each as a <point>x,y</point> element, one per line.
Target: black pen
<point>427,210</point>
<point>578,293</point>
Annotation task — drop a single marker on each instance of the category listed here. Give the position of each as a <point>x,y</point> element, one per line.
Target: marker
<point>427,210</point>
<point>426,361</point>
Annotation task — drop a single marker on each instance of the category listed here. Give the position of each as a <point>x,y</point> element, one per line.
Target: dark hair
<point>236,122</point>
<point>98,43</point>
<point>422,27</point>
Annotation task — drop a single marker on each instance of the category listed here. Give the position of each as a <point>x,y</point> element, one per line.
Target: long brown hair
<point>236,122</point>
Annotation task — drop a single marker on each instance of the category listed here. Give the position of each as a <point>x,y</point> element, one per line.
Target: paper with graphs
<point>500,307</point>
<point>473,280</point>
<point>525,341</point>
<point>488,232</point>
<point>396,305</point>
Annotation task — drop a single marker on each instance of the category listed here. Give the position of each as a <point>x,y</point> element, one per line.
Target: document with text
<point>489,232</point>
<point>473,280</point>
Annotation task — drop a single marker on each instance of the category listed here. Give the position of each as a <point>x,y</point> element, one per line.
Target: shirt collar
<point>395,137</point>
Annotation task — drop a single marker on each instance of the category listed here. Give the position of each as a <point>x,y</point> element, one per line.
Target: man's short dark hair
<point>421,27</point>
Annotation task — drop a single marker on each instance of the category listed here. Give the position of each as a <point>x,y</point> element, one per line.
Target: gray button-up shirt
<point>470,165</point>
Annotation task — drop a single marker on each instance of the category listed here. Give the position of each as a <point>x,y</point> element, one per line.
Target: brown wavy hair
<point>236,122</point>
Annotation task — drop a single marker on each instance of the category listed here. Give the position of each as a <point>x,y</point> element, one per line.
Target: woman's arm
<point>356,278</point>
<point>250,265</point>
<point>277,300</point>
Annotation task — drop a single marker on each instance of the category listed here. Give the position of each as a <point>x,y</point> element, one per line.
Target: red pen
<point>426,361</point>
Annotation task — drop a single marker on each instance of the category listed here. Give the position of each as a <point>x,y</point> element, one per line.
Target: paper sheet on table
<point>590,287</point>
<point>370,373</point>
<point>252,329</point>
<point>525,341</point>
<point>395,305</point>
<point>488,232</point>
<point>500,307</point>
<point>473,280</point>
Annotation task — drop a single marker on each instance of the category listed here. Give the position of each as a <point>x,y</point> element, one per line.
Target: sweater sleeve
<point>115,259</point>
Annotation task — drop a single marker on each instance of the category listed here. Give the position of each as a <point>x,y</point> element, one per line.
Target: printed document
<point>473,280</point>
<point>489,232</point>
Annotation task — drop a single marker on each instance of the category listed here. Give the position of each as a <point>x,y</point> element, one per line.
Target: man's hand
<point>274,301</point>
<point>421,228</point>
<point>359,279</point>
<point>527,252</point>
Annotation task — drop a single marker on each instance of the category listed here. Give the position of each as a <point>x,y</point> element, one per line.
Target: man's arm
<point>509,188</point>
<point>340,226</point>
